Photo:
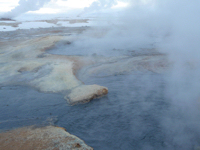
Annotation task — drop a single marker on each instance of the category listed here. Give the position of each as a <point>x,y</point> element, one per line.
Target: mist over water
<point>172,28</point>
<point>143,110</point>
<point>169,27</point>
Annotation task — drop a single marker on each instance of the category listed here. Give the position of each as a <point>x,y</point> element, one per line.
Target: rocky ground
<point>35,138</point>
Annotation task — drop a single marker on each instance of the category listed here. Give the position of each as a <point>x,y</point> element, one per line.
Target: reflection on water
<point>134,115</point>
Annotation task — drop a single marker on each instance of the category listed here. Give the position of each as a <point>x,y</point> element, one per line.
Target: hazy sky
<point>7,5</point>
<point>54,6</point>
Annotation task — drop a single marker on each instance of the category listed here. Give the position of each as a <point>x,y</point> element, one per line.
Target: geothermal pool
<point>134,115</point>
<point>137,113</point>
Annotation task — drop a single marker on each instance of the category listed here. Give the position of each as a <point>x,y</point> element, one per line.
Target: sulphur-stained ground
<point>33,138</point>
<point>25,62</point>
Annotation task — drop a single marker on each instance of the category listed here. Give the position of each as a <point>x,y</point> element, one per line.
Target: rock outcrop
<point>50,137</point>
<point>86,93</point>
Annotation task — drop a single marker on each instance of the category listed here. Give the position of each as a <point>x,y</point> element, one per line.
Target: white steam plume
<point>99,5</point>
<point>172,27</point>
<point>25,6</point>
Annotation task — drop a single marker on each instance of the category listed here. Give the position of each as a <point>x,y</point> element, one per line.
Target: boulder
<point>85,93</point>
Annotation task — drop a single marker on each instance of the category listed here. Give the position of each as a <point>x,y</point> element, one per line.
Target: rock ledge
<point>50,137</point>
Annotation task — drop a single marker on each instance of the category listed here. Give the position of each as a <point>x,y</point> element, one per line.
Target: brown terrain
<point>31,138</point>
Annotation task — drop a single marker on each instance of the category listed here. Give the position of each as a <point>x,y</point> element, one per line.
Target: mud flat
<point>6,19</point>
<point>7,24</point>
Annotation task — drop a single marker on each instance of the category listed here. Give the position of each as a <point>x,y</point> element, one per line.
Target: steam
<point>101,4</point>
<point>171,27</point>
<point>98,6</point>
<point>25,6</point>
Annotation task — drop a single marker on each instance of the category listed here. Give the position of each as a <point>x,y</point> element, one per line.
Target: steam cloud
<point>101,4</point>
<point>171,27</point>
<point>25,6</point>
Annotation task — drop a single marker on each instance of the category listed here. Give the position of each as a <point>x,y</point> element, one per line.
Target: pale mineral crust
<point>26,62</point>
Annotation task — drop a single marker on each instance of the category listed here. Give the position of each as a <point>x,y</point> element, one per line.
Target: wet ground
<point>27,34</point>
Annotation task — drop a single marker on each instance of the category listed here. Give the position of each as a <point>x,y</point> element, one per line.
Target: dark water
<point>134,115</point>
